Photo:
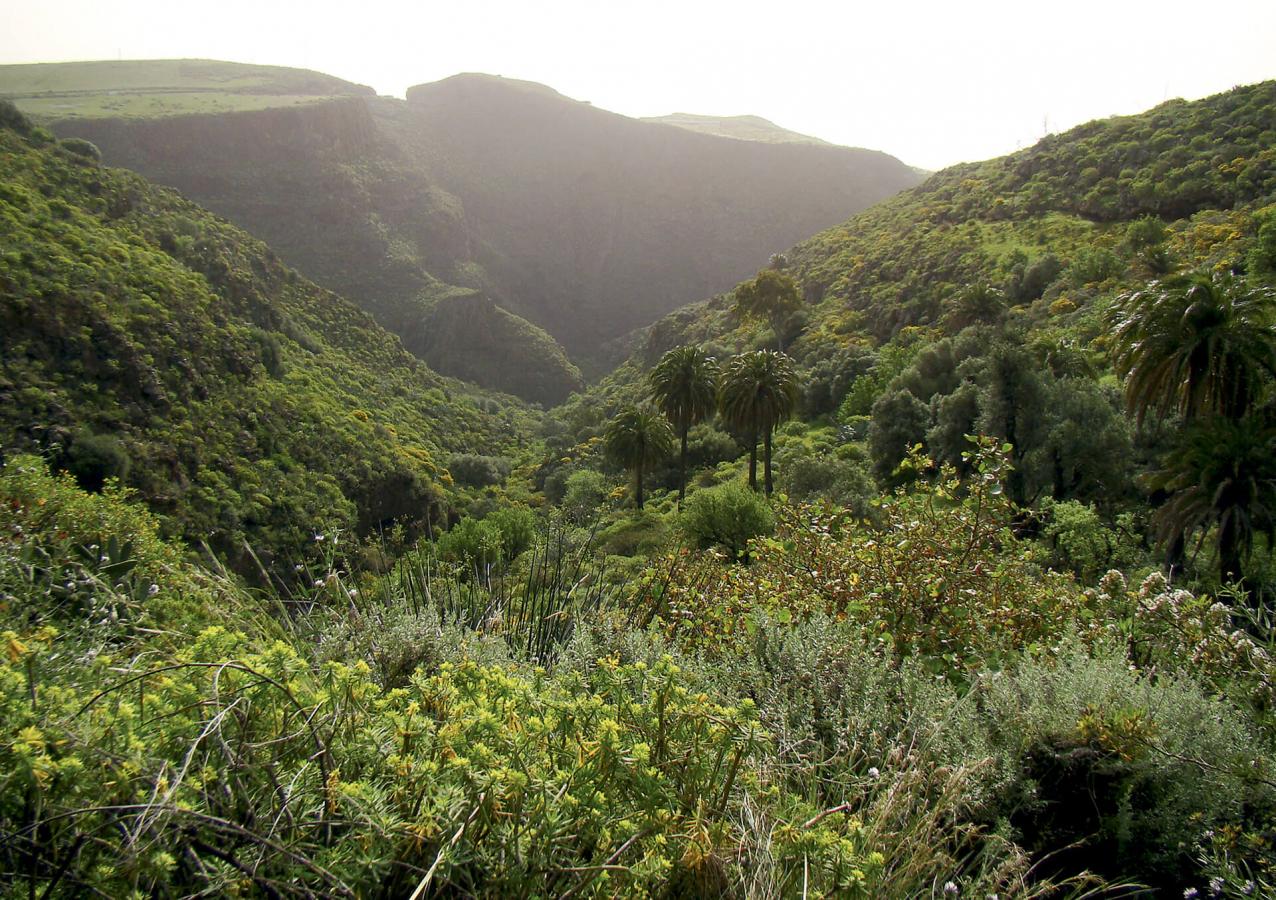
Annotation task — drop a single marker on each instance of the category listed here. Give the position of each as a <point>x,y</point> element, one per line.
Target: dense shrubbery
<point>786,730</point>
<point>939,689</point>
<point>147,340</point>
<point>727,516</point>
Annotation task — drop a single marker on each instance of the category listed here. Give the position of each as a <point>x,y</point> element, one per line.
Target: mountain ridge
<point>405,219</point>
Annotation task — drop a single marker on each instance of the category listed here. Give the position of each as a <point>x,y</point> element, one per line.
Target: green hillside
<point>1054,231</point>
<point>146,339</point>
<point>982,301</point>
<point>380,200</point>
<point>285,613</point>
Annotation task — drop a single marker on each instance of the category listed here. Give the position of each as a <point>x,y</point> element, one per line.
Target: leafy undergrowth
<point>167,732</point>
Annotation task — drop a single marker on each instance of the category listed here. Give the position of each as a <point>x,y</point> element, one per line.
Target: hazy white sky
<point>931,82</point>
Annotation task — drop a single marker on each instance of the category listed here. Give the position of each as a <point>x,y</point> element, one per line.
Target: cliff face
<point>591,223</point>
<point>303,179</point>
<point>579,223</point>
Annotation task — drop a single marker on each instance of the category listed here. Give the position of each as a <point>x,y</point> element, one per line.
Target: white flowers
<point>152,590</point>
<point>951,889</point>
<point>875,772</point>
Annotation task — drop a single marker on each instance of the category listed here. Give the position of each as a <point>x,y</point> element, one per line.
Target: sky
<point>933,83</point>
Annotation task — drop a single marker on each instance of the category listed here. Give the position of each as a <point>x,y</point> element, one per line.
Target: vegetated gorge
<point>930,557</point>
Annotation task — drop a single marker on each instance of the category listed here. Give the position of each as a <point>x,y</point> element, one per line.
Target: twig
<point>429,874</point>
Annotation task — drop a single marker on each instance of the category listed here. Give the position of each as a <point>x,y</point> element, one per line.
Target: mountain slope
<point>582,223</point>
<point>144,338</point>
<point>162,87</point>
<point>1033,247</point>
<point>591,223</point>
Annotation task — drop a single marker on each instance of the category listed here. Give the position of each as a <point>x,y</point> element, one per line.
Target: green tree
<point>758,391</point>
<point>1197,344</point>
<point>1223,473</point>
<point>684,385</point>
<point>728,515</point>
<point>1012,406</point>
<point>638,438</point>
<point>1204,345</point>
<point>772,296</point>
<point>899,422</point>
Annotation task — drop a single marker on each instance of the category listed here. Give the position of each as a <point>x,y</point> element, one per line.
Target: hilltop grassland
<point>158,88</point>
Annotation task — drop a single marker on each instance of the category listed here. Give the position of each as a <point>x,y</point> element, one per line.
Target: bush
<point>807,476</point>
<point>583,494</point>
<point>94,458</point>
<point>82,148</point>
<point>473,544</point>
<point>476,470</point>
<point>728,515</point>
<point>12,118</point>
<point>1132,769</point>
<point>1080,542</point>
<point>516,526</point>
<point>478,544</point>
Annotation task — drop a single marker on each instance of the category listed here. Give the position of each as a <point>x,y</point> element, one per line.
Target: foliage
<point>771,296</point>
<point>1221,479</point>
<point>1080,542</point>
<point>478,470</point>
<point>584,494</point>
<point>758,391</point>
<point>1162,763</point>
<point>684,385</point>
<point>145,339</point>
<point>807,476</point>
<point>728,516</point>
<point>1196,344</point>
<point>638,438</point>
<point>936,575</point>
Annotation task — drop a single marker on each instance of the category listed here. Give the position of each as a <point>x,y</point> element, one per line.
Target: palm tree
<point>1222,473</point>
<point>1204,345</point>
<point>1198,344</point>
<point>759,390</point>
<point>684,385</point>
<point>636,439</point>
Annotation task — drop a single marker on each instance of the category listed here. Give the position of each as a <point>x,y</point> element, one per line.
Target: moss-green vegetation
<point>147,340</point>
<point>989,635</point>
<point>155,104</point>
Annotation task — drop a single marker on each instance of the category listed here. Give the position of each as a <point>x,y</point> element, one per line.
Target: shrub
<point>82,148</point>
<point>729,516</point>
<point>516,526</point>
<point>12,118</point>
<point>1080,542</point>
<point>583,494</point>
<point>472,543</point>
<point>1131,768</point>
<point>808,476</point>
<point>476,470</point>
<point>94,458</point>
